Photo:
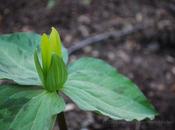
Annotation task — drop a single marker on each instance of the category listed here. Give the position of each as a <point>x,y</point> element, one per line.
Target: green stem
<point>61,121</point>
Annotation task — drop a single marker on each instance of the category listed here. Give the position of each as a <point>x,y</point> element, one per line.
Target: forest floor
<point>147,56</point>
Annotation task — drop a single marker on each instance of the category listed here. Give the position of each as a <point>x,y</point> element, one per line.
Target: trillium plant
<point>38,72</point>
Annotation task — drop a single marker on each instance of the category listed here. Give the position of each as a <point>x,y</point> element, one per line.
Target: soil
<point>147,57</point>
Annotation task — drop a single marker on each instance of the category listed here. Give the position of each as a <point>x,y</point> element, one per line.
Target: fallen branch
<point>101,37</point>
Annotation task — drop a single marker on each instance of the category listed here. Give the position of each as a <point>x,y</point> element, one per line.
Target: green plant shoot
<point>53,72</point>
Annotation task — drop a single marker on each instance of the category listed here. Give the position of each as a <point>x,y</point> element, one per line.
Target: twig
<point>101,37</point>
<point>61,121</point>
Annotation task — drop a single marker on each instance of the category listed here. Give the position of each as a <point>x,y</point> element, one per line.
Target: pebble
<point>27,28</point>
<point>111,56</point>
<point>84,30</point>
<point>69,107</point>
<point>84,19</point>
<point>173,70</point>
<point>87,49</point>
<point>95,53</point>
<point>123,56</point>
<point>139,17</point>
<point>68,38</point>
<point>170,59</point>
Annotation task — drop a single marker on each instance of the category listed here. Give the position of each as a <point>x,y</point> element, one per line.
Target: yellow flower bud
<point>53,72</point>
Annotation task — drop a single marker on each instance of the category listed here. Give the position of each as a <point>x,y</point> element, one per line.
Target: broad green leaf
<point>96,86</point>
<point>23,108</point>
<point>16,57</point>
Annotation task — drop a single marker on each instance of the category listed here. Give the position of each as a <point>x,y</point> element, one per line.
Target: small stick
<point>61,121</point>
<point>101,37</point>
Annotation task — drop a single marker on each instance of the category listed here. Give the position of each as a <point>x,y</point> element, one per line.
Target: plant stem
<point>61,121</point>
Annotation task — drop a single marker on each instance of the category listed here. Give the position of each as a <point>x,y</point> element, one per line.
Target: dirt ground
<point>147,57</point>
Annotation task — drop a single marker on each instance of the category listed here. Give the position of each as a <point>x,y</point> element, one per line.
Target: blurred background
<point>135,36</point>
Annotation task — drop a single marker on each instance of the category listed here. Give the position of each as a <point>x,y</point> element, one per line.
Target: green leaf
<point>23,108</point>
<point>55,42</point>
<point>57,74</point>
<point>16,57</point>
<point>45,52</point>
<point>38,67</point>
<point>96,86</point>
